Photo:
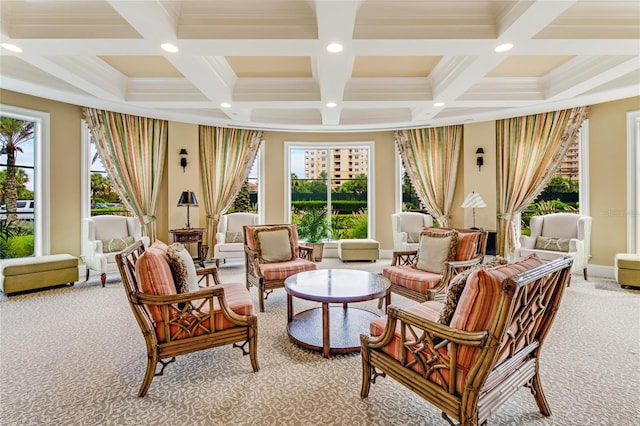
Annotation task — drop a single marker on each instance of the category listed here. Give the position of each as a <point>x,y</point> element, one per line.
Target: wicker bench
<point>29,273</point>
<point>358,250</point>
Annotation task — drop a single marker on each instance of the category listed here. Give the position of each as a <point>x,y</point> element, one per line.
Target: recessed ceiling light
<point>168,47</point>
<point>11,47</point>
<point>225,105</point>
<point>334,48</point>
<point>438,104</point>
<point>503,47</point>
<point>331,104</point>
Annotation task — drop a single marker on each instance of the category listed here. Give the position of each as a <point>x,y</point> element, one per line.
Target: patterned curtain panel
<point>132,149</point>
<point>431,157</point>
<point>226,158</point>
<point>529,150</point>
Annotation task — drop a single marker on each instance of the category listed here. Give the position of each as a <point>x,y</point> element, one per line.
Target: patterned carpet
<point>75,356</point>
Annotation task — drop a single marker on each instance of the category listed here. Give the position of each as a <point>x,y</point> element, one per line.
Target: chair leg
<point>584,272</point>
<point>261,298</point>
<point>538,394</point>
<point>103,278</point>
<point>152,362</point>
<point>253,350</point>
<point>87,278</point>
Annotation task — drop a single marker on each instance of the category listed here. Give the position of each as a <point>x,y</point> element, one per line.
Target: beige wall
<point>607,175</point>
<point>608,178</point>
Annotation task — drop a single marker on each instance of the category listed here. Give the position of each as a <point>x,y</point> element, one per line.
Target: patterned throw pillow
<point>454,290</point>
<point>233,237</point>
<point>275,244</point>
<point>435,249</point>
<point>182,268</point>
<point>550,243</point>
<point>116,244</point>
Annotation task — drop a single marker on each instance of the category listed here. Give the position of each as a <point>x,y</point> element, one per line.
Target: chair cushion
<point>411,278</point>
<point>116,244</point>
<point>467,245</point>
<point>274,244</point>
<point>154,277</point>
<point>435,249</point>
<point>282,270</point>
<point>551,243</point>
<point>182,268</point>
<point>238,299</point>
<point>457,284</point>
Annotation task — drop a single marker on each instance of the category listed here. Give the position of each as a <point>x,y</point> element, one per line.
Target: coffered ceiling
<point>268,60</point>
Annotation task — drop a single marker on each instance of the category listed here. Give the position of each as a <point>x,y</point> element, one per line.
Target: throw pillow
<point>275,244</point>
<point>182,268</point>
<point>413,237</point>
<point>435,249</point>
<point>233,237</point>
<point>116,244</point>
<point>550,243</point>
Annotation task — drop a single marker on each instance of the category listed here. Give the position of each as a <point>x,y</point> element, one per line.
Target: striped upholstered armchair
<point>272,254</point>
<point>442,253</point>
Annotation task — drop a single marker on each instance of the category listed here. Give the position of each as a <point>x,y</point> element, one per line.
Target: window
<point>100,197</point>
<point>26,225</point>
<point>346,197</point>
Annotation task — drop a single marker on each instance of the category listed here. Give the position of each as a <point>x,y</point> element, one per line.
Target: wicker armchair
<point>272,254</point>
<point>468,368</point>
<point>408,280</point>
<point>177,324</point>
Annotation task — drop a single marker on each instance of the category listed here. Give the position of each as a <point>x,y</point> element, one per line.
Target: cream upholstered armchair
<point>108,235</point>
<point>229,238</point>
<point>557,235</point>
<point>407,227</point>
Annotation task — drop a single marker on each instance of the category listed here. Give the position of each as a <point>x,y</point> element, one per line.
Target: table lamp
<point>473,201</point>
<point>188,199</point>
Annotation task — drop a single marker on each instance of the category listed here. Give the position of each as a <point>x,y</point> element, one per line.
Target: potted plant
<point>313,227</point>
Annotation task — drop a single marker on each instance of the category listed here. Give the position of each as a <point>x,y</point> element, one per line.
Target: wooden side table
<point>189,236</point>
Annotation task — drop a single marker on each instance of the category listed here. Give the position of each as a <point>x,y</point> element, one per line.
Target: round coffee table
<point>313,328</point>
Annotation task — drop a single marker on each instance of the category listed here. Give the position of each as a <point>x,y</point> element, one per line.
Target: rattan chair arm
<point>209,270</point>
<point>404,257</point>
<point>436,331</point>
<point>202,297</point>
<point>205,293</point>
<point>305,252</point>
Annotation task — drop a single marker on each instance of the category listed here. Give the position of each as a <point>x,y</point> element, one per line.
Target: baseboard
<point>600,271</point>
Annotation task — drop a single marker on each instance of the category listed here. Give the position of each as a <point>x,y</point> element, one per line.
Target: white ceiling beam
<point>336,20</point>
<point>521,22</point>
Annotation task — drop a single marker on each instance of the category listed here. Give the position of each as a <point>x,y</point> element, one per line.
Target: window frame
<point>369,145</point>
<point>633,182</point>
<point>41,173</point>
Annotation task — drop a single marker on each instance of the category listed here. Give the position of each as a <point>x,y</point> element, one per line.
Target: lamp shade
<point>187,198</point>
<point>473,200</point>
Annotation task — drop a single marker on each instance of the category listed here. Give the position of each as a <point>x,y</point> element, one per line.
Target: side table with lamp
<point>188,235</point>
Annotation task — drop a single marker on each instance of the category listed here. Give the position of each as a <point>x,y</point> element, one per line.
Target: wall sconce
<point>480,158</point>
<point>183,159</point>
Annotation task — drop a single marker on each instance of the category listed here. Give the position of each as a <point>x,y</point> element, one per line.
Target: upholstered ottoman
<point>358,249</point>
<point>627,269</point>
<point>28,273</point>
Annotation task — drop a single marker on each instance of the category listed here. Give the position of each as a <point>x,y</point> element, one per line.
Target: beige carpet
<point>75,356</point>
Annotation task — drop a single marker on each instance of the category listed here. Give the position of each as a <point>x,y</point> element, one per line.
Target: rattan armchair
<point>272,254</point>
<point>409,281</point>
<point>178,324</point>
<point>469,368</point>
